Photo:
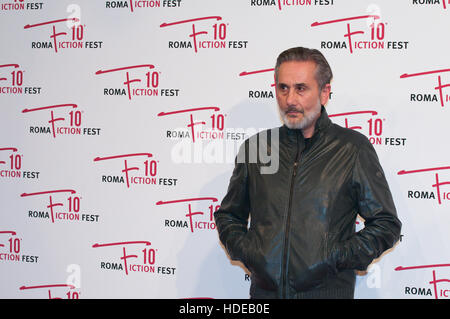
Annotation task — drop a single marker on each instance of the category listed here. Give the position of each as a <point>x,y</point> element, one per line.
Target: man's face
<point>299,96</point>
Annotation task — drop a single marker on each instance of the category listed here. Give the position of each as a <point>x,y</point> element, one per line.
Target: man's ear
<point>325,94</point>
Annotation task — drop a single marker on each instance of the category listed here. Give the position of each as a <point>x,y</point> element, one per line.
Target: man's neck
<point>308,132</point>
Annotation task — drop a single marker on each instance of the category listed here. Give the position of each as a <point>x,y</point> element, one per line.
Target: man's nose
<point>290,99</point>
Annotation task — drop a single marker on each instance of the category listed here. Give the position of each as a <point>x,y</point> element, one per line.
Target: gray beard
<point>306,121</point>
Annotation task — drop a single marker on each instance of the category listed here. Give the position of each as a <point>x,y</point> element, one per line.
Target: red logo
<point>204,219</point>
<point>14,6</point>
<point>247,73</point>
<point>147,167</point>
<point>211,36</point>
<point>435,282</point>
<point>441,195</point>
<point>428,2</point>
<point>66,207</point>
<point>370,124</point>
<point>74,39</point>
<point>145,260</point>
<point>280,4</point>
<point>149,80</point>
<point>217,121</point>
<point>13,163</point>
<point>139,4</point>
<point>73,121</point>
<point>15,81</point>
<point>375,40</point>
<point>10,249</point>
<point>69,291</point>
<point>260,93</point>
<point>13,245</point>
<point>440,86</point>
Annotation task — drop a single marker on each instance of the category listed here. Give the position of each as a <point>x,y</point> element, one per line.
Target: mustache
<point>294,109</point>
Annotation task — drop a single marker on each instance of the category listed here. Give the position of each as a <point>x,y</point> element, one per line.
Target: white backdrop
<point>120,121</point>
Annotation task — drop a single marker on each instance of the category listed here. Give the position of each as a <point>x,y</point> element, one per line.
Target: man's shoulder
<point>348,135</point>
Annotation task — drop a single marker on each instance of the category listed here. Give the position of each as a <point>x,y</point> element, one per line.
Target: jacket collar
<point>322,123</point>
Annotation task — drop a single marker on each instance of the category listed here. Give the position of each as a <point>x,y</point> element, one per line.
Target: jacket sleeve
<point>232,216</point>
<point>375,204</point>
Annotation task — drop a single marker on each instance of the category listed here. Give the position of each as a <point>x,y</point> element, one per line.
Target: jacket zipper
<point>288,222</point>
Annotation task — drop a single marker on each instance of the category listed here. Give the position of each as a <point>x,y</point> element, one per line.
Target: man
<point>301,242</point>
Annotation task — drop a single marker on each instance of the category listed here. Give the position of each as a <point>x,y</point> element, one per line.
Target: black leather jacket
<point>301,242</point>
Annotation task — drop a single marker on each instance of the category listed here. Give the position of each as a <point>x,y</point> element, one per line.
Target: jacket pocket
<point>255,261</point>
<point>317,273</point>
<point>333,252</point>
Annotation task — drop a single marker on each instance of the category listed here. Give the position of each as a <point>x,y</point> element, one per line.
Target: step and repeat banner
<point>120,122</point>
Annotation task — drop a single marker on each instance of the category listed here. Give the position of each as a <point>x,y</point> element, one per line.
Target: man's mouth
<point>294,112</point>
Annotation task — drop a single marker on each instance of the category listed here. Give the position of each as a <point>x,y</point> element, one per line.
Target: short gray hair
<point>323,75</point>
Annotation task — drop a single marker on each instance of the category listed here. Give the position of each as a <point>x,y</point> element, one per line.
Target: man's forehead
<point>301,70</point>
